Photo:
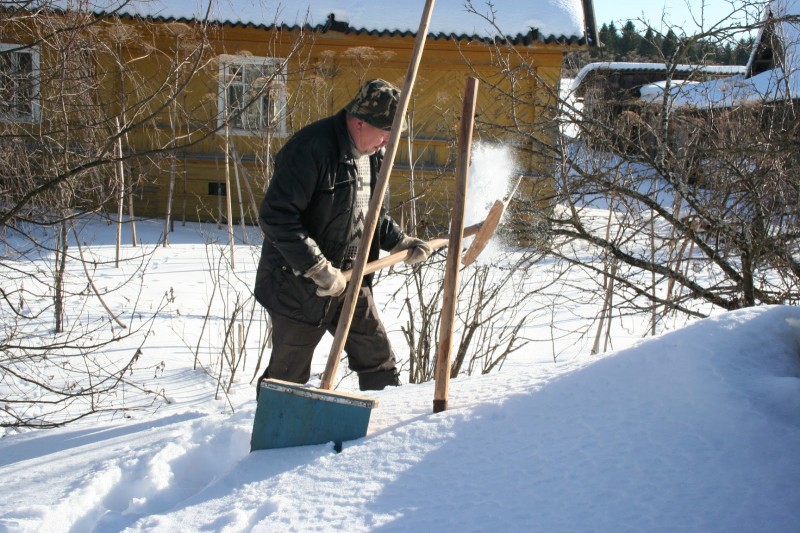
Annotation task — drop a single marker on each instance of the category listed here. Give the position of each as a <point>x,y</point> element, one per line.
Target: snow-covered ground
<point>696,430</point>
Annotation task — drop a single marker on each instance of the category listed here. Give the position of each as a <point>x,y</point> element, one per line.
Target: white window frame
<point>10,112</point>
<point>234,74</point>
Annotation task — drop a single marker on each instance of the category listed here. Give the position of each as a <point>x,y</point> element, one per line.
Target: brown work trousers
<point>293,342</point>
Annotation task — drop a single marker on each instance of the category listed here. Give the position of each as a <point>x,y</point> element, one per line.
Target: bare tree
<point>713,190</point>
<point>674,210</point>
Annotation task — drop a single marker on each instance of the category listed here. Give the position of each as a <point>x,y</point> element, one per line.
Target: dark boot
<point>379,380</point>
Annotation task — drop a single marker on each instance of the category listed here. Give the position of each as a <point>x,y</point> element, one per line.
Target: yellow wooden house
<point>223,84</point>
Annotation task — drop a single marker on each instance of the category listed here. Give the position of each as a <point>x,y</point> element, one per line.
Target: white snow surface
<point>696,430</point>
<point>770,86</point>
<point>551,17</point>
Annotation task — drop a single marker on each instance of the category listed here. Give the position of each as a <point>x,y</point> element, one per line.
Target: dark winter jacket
<point>307,215</point>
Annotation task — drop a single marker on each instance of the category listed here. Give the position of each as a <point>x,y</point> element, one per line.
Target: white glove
<point>329,279</point>
<point>418,250</point>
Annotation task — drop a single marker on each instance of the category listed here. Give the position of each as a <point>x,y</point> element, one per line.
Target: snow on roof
<point>788,32</point>
<point>563,18</point>
<point>768,86</point>
<point>779,83</point>
<point>618,66</point>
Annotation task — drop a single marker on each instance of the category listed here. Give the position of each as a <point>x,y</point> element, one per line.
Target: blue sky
<point>679,14</point>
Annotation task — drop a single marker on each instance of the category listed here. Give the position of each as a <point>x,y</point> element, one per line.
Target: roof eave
<point>532,37</point>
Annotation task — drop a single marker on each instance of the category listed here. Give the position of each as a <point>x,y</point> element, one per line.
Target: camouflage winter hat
<point>376,104</point>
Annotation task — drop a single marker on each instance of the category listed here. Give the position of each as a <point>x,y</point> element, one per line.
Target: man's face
<point>369,139</point>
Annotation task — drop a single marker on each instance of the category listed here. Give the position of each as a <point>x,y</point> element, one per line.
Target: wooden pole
<point>228,192</point>
<point>412,211</point>
<point>393,259</point>
<point>130,198</point>
<point>131,217</point>
<point>453,265</point>
<point>246,179</point>
<point>121,185</point>
<point>242,214</point>
<point>371,222</point>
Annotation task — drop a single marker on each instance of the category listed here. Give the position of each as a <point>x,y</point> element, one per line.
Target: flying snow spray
<point>490,173</point>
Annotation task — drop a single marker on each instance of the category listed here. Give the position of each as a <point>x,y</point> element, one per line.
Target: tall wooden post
<point>453,264</point>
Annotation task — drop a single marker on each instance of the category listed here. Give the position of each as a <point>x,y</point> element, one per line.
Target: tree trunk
<point>61,267</point>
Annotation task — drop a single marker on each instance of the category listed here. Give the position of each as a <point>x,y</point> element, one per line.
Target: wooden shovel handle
<point>378,194</point>
<point>393,259</point>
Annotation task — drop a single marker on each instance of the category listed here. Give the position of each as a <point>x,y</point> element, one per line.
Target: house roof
<point>787,32</point>
<point>520,22</point>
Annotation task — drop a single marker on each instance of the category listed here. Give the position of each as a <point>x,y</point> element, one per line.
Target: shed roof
<point>786,31</point>
<point>543,21</point>
<point>605,68</point>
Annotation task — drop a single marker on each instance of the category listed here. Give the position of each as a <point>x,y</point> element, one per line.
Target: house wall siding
<point>324,72</point>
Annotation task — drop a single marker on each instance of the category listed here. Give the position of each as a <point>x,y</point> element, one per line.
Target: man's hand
<point>329,279</point>
<point>418,250</point>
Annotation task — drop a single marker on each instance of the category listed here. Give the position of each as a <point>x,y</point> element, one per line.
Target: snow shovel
<point>320,412</point>
<point>335,416</point>
<point>488,226</point>
<point>292,415</point>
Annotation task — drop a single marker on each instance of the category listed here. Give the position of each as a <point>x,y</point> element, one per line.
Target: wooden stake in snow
<point>453,264</point>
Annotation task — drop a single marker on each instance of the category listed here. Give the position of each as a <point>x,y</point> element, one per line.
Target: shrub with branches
<point>90,106</point>
<point>678,210</point>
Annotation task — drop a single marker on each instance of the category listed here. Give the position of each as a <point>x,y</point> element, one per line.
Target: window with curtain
<point>253,94</point>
